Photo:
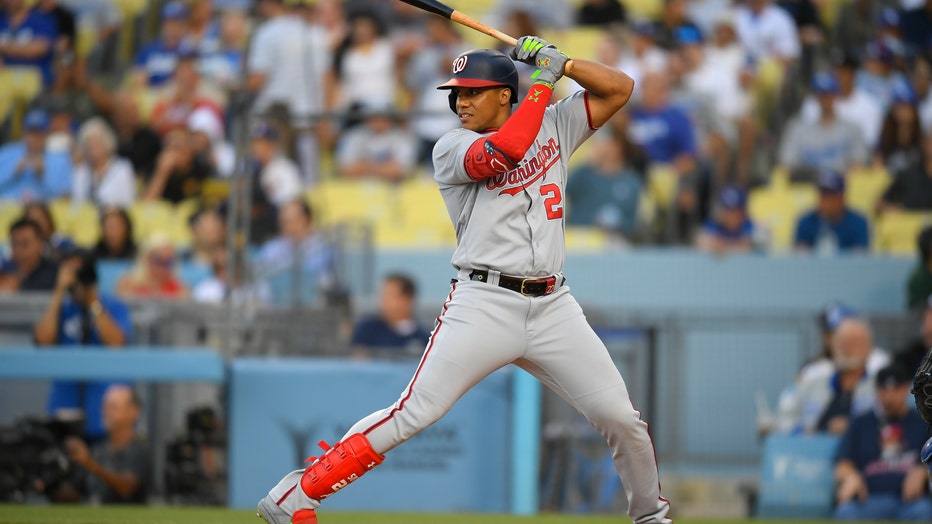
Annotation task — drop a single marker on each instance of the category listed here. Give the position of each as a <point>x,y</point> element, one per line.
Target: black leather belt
<point>531,287</point>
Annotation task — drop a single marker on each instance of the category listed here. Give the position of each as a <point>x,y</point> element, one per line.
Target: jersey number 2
<point>553,201</point>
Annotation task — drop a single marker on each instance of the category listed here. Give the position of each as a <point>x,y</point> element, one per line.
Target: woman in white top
<point>101,177</point>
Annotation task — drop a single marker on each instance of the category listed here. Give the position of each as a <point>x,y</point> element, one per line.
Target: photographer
<point>79,315</point>
<point>118,468</point>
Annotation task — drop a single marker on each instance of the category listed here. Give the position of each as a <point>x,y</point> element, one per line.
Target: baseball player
<point>502,176</point>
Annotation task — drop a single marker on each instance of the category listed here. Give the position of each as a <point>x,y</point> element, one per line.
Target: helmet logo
<point>459,64</point>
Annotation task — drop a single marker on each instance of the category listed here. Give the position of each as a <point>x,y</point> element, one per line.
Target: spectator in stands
<point>101,177</point>
<point>209,143</point>
<point>826,402</point>
<point>916,25</point>
<point>832,227</point>
<point>852,104</point>
<point>184,95</point>
<point>911,188</point>
<point>673,17</point>
<point>856,25</point>
<point>805,15</point>
<point>279,177</point>
<point>79,314</point>
<point>27,170</point>
<point>829,319</point>
<point>605,191</point>
<point>213,289</point>
<point>179,173</point>
<point>27,269</point>
<point>116,236</point>
<point>730,231</point>
<point>877,467</point>
<point>919,284</point>
<point>767,32</point>
<point>381,148</point>
<point>208,234</point>
<point>545,14</point>
<point>294,79</point>
<point>878,75</point>
<point>156,62</point>
<point>900,144</point>
<point>668,136</point>
<point>119,469</point>
<point>27,40</point>
<point>299,244</point>
<point>136,140</point>
<point>394,329</point>
<point>641,55</point>
<point>65,27</point>
<point>366,67</point>
<point>600,13</point>
<point>203,32</point>
<point>828,144</point>
<point>223,66</point>
<point>54,243</point>
<point>62,125</point>
<point>153,275</point>
<point>910,356</point>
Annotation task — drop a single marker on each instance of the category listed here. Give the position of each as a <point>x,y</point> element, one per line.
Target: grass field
<point>10,514</point>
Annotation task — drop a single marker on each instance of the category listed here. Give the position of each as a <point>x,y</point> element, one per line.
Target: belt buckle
<point>523,282</point>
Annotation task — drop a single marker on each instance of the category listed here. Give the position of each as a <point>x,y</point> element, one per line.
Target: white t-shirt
<point>369,78</point>
<point>859,109</point>
<point>294,57</point>
<point>721,86</point>
<point>396,144</point>
<point>281,180</point>
<point>768,34</point>
<point>116,188</point>
<point>653,60</point>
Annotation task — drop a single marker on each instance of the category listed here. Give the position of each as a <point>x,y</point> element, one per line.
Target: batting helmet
<point>482,68</point>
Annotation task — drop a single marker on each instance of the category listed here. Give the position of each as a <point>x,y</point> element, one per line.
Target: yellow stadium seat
<point>215,191</point>
<point>10,211</point>
<point>777,206</point>
<point>586,239</point>
<point>896,232</point>
<point>423,211</point>
<point>643,9</point>
<point>150,217</point>
<point>337,201</point>
<point>662,184</point>
<point>864,187</point>
<point>180,230</point>
<point>82,224</point>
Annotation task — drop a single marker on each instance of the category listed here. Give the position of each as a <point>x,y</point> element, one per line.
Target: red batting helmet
<point>482,68</point>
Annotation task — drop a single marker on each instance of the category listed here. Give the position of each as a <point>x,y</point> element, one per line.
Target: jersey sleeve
<point>450,157</point>
<point>571,118</point>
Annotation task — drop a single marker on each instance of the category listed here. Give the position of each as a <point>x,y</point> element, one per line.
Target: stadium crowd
<point>756,126</point>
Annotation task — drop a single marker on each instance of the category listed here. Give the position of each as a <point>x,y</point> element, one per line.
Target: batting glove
<point>538,52</point>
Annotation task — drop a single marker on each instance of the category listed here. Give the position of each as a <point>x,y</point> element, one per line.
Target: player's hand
<point>550,62</point>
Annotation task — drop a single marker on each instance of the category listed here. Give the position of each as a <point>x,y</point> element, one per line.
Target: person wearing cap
<point>155,63</point>
<point>900,143</point>
<point>829,319</point>
<point>878,472</point>
<point>28,170</point>
<point>730,231</point>
<point>825,402</point>
<point>919,283</point>
<point>830,143</point>
<point>832,227</point>
<point>852,104</point>
<point>879,75</point>
<point>279,177</point>
<point>380,149</point>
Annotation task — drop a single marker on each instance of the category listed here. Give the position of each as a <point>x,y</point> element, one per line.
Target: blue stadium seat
<point>797,476</point>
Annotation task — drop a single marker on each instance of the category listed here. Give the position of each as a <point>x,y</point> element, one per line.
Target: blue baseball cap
<point>265,131</point>
<point>889,17</point>
<point>687,35</point>
<point>174,10</point>
<point>833,315</point>
<point>36,120</point>
<point>645,28</point>
<point>732,198</point>
<point>831,181</point>
<point>824,83</point>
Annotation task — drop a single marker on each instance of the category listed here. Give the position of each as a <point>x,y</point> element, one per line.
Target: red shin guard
<point>338,466</point>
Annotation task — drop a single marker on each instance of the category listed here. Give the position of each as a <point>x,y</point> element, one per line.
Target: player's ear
<point>504,96</point>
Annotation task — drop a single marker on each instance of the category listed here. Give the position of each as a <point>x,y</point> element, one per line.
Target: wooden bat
<point>441,9</point>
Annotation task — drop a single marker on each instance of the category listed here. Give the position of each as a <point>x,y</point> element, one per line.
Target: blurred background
<point>248,184</point>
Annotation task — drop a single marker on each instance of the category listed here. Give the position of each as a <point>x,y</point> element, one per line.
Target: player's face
<point>481,108</point>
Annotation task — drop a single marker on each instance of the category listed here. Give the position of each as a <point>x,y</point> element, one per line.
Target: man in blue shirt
<point>156,61</point>
<point>27,171</point>
<point>27,38</point>
<point>394,330</point>
<point>832,227</point>
<point>78,315</point>
<point>730,231</point>
<point>877,467</point>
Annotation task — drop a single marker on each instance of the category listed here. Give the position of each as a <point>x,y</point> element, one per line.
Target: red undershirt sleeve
<point>501,151</point>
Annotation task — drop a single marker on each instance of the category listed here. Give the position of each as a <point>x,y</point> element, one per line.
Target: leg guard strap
<point>345,462</point>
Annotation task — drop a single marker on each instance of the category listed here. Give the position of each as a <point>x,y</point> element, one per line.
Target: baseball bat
<point>441,9</point>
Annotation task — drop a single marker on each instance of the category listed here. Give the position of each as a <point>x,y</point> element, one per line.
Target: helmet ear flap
<point>452,98</point>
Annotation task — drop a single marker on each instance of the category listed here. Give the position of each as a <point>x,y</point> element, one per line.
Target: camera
<point>32,453</point>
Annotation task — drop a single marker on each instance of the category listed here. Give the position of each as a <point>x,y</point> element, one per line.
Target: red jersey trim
<point>588,113</point>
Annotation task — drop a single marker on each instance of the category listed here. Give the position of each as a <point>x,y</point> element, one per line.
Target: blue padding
<point>525,443</point>
<point>797,476</point>
<point>78,363</point>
